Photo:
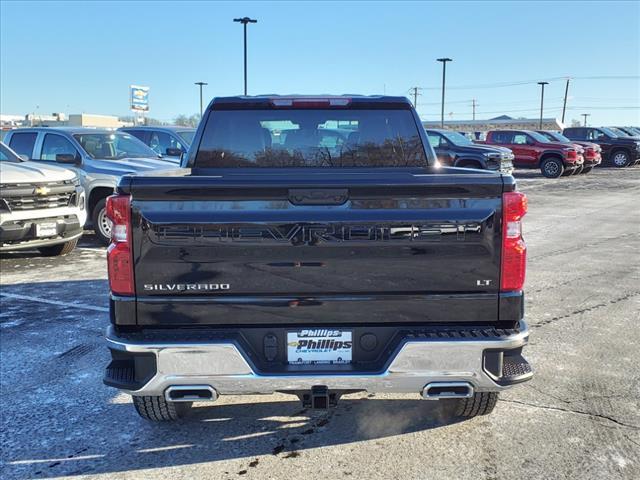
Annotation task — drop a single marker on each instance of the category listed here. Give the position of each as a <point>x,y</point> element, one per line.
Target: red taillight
<point>514,250</point>
<point>572,154</point>
<point>119,253</point>
<point>589,152</point>
<point>311,102</point>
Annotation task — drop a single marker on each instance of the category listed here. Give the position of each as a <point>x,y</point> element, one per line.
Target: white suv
<point>41,206</point>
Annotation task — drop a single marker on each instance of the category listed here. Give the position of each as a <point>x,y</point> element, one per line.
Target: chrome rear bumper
<point>417,363</point>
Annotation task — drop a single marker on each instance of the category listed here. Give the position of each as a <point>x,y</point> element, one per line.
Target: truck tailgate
<point>317,248</point>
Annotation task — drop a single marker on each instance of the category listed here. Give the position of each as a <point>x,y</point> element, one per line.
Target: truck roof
<point>310,101</point>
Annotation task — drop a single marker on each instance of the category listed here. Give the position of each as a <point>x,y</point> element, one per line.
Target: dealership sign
<point>139,98</point>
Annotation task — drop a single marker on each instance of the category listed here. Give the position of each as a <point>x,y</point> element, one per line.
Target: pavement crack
<point>580,311</point>
<point>577,412</point>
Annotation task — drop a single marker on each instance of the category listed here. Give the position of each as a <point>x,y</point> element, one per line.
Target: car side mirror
<point>174,152</point>
<point>67,158</point>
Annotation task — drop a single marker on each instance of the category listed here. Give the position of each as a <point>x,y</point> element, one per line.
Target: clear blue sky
<point>82,56</point>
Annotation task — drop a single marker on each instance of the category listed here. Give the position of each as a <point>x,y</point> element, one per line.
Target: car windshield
<point>620,132</point>
<point>311,138</point>
<point>187,135</point>
<point>457,138</point>
<point>558,137</point>
<point>114,146</point>
<point>8,155</point>
<point>611,133</point>
<point>540,138</point>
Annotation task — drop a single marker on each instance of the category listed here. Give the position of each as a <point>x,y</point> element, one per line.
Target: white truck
<point>41,206</point>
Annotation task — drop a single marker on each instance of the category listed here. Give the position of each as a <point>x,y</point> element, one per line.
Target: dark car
<point>619,151</point>
<point>591,152</point>
<point>169,141</point>
<point>315,269</point>
<point>457,150</point>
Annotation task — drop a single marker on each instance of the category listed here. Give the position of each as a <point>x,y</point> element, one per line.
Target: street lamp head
<point>201,83</point>
<point>543,83</point>
<point>443,60</point>
<point>245,20</point>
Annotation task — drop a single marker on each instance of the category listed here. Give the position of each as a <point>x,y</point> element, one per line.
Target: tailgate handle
<point>318,196</point>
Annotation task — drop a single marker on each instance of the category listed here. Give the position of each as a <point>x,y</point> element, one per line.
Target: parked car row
<point>98,158</point>
<point>575,150</point>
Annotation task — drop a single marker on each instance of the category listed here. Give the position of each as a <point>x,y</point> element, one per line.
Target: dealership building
<point>504,122</point>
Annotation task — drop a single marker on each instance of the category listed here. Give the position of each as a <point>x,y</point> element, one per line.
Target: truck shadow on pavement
<point>228,431</point>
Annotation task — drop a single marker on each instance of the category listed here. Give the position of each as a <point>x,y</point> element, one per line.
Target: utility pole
<point>542,84</point>
<point>444,77</point>
<point>201,84</point>
<point>585,115</point>
<point>564,105</point>
<point>415,97</point>
<point>474,105</point>
<point>244,21</point>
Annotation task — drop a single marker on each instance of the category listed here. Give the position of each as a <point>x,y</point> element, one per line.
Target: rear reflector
<point>514,250</point>
<point>311,102</point>
<point>119,253</point>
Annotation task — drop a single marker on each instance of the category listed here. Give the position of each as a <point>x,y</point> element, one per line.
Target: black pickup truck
<point>280,259</point>
<point>454,149</point>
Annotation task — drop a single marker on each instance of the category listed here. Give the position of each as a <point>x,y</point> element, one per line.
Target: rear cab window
<point>23,142</point>
<point>311,137</point>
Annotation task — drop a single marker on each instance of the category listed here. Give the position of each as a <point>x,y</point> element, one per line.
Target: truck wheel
<point>60,249</point>
<point>101,224</point>
<point>586,170</point>
<point>481,403</point>
<point>620,159</point>
<point>157,409</point>
<point>552,168</point>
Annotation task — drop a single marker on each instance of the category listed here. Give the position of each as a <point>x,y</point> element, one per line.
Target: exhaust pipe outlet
<point>438,390</point>
<point>190,393</point>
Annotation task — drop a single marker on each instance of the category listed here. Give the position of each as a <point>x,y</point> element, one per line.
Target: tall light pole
<point>244,21</point>
<point>585,115</point>
<point>201,84</point>
<point>444,77</point>
<point>542,84</point>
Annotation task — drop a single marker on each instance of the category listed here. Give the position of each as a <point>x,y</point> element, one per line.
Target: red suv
<point>533,150</point>
<point>592,152</point>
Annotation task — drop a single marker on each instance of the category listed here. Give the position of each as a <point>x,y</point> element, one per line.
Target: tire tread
<point>157,409</point>
<point>481,403</point>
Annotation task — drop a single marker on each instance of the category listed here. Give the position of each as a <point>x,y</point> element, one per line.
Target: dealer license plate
<point>319,346</point>
<point>46,229</point>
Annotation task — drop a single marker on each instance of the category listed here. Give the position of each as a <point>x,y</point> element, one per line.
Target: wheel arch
<point>461,161</point>
<point>98,193</point>
<point>550,154</point>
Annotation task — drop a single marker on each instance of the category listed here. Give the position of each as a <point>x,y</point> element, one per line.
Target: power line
<point>530,82</point>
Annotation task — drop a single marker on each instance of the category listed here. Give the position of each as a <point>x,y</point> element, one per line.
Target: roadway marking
<point>53,302</point>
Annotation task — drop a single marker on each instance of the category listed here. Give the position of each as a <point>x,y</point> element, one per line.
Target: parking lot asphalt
<point>578,418</point>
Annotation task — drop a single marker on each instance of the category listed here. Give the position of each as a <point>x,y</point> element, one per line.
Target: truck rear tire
<point>481,403</point>
<point>552,167</point>
<point>157,409</point>
<point>60,249</point>
<point>586,170</point>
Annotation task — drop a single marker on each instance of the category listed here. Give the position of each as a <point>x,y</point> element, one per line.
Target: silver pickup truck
<point>41,206</point>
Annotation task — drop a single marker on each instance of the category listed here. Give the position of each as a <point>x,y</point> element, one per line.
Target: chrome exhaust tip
<point>190,393</point>
<point>438,390</point>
